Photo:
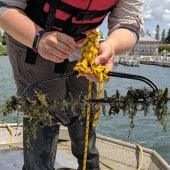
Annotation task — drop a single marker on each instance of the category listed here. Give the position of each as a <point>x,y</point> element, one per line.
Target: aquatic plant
<point>34,109</point>
<point>140,100</point>
<point>41,110</point>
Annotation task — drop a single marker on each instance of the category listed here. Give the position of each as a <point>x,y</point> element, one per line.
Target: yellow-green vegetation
<point>164,47</point>
<point>3,50</point>
<point>34,109</point>
<point>141,100</point>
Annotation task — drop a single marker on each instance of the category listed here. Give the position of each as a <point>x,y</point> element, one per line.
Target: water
<point>147,131</point>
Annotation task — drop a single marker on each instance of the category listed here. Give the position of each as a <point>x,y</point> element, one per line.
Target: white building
<point>146,46</point>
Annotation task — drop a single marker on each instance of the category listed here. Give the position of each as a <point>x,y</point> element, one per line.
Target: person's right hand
<point>56,46</point>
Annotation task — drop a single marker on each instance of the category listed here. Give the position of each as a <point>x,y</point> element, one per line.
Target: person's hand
<point>105,58</point>
<point>56,46</point>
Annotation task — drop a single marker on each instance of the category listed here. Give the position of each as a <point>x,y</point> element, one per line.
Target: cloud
<point>157,9</point>
<point>147,15</point>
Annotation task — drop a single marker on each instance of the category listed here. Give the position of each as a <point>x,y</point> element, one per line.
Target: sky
<point>155,12</point>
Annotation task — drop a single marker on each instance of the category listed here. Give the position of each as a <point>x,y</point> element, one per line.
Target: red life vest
<point>73,17</point>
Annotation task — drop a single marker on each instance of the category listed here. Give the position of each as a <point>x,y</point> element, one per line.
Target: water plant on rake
<point>40,109</point>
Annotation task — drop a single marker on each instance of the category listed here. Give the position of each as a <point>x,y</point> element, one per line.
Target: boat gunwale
<point>153,154</point>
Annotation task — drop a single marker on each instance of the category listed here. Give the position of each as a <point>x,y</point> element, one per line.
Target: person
<point>44,38</point>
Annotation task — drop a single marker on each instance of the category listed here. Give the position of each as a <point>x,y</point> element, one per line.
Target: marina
<point>147,60</point>
<point>157,63</point>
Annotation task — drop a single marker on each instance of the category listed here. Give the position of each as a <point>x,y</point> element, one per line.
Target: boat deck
<point>114,154</point>
<point>12,159</point>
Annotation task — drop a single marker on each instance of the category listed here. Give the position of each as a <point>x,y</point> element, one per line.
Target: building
<point>146,46</point>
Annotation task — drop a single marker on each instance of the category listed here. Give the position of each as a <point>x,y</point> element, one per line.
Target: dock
<point>158,63</point>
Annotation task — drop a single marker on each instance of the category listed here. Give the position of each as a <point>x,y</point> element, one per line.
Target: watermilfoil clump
<point>41,110</point>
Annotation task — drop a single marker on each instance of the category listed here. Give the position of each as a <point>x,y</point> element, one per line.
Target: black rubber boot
<point>77,133</point>
<point>39,154</point>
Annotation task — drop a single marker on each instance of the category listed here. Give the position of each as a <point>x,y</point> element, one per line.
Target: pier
<point>163,61</point>
<point>158,63</point>
<point>129,60</point>
<point>148,60</point>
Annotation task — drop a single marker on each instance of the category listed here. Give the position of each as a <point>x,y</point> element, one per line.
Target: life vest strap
<point>81,14</point>
<point>60,67</point>
<point>31,55</point>
<point>51,14</point>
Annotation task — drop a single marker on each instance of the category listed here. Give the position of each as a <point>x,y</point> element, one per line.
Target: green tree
<point>157,33</point>
<point>163,36</point>
<point>3,50</point>
<point>148,33</point>
<point>2,39</point>
<point>168,37</point>
<point>164,47</point>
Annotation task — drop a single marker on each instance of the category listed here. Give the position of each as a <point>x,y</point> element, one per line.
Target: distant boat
<point>114,154</point>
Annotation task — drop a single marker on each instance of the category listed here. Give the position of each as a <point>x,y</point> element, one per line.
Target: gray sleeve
<point>127,14</point>
<point>5,4</point>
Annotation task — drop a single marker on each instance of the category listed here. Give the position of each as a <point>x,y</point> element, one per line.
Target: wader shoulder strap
<point>51,14</point>
<point>31,55</point>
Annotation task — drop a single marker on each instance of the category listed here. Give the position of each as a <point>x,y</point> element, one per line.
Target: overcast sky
<point>156,12</point>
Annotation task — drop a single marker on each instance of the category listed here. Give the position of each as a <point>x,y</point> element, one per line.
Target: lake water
<point>147,132</point>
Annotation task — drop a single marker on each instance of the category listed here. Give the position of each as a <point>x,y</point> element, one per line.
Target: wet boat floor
<point>12,159</point>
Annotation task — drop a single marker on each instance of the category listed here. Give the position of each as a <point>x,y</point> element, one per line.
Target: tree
<point>2,39</point>
<point>163,38</point>
<point>157,34</point>
<point>148,33</point>
<point>168,37</point>
<point>164,47</point>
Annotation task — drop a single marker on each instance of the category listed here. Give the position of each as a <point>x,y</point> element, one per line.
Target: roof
<point>148,38</point>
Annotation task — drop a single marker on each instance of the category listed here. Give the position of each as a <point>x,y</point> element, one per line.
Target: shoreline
<point>131,62</point>
<point>157,63</point>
